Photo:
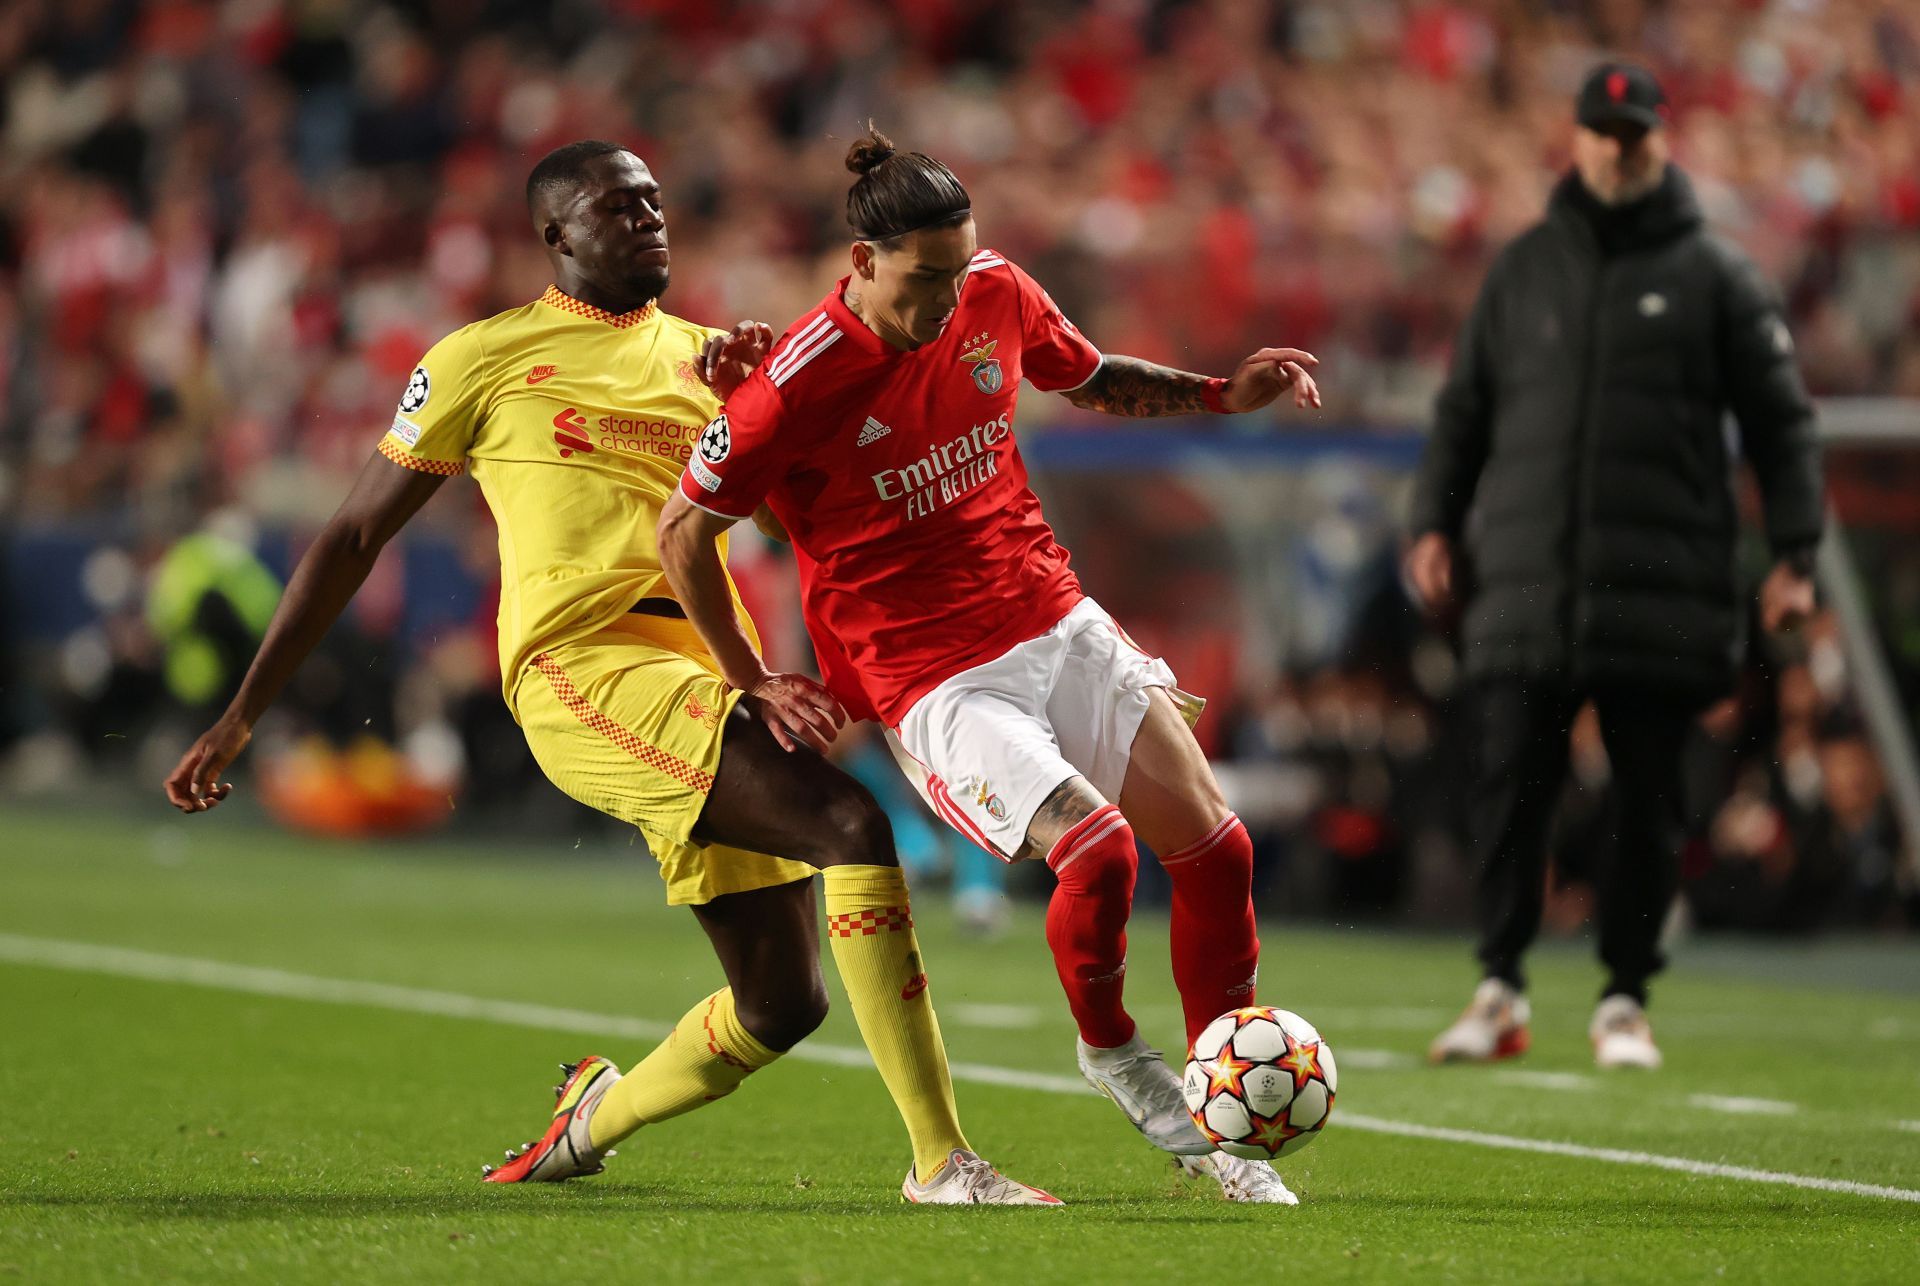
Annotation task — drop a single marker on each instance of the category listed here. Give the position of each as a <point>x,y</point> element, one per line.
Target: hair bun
<point>868,152</point>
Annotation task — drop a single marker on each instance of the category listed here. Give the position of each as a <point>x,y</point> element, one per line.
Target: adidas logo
<point>871,431</point>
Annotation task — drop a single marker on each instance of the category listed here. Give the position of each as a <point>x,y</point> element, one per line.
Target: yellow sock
<point>871,932</point>
<point>704,1058</point>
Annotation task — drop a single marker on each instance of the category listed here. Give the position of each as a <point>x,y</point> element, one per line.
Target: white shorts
<point>988,746</point>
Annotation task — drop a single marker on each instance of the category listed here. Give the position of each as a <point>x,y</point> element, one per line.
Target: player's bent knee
<point>1097,855</point>
<point>787,1019</point>
<point>1115,865</point>
<point>854,831</point>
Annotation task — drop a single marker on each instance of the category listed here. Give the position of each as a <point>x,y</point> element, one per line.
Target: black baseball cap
<point>1621,94</point>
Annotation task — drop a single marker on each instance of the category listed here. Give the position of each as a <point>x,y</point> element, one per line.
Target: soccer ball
<point>1260,1082</point>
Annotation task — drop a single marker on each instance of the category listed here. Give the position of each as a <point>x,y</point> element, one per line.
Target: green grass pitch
<point>282,1122</point>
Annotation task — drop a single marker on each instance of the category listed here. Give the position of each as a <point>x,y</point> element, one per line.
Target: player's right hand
<point>1430,571</point>
<point>194,785</point>
<point>796,709</point>
<point>727,360</point>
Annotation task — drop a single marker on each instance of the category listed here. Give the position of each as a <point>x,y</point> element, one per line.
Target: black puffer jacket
<point>1580,459</point>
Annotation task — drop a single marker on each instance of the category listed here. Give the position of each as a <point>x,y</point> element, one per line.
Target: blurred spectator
<point>227,229</point>
<point>929,849</point>
<point>208,606</point>
<point>229,223</point>
<point>1575,513</point>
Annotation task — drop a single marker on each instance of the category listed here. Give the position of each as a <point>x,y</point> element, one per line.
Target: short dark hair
<point>565,167</point>
<point>900,192</point>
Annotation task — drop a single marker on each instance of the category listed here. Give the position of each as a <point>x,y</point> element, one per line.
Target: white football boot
<point>984,914</point>
<point>1147,1090</point>
<point>1494,1026</point>
<point>1622,1036</point>
<point>1255,1183</point>
<point>566,1150</point>
<point>966,1180</point>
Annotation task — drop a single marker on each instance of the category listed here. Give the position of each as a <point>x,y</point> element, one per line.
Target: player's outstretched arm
<point>382,499</point>
<point>1129,386</point>
<point>794,707</point>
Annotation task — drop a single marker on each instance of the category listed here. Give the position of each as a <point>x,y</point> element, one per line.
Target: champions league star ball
<point>1260,1082</point>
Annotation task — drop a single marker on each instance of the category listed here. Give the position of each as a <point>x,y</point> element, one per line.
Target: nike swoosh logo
<point>540,374</point>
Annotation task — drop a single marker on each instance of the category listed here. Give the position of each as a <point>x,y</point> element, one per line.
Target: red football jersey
<point>921,547</point>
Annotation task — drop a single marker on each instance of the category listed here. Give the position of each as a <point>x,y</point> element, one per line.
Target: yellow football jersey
<point>576,424</point>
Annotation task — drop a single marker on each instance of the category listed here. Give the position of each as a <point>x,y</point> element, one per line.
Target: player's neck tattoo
<point>894,337</point>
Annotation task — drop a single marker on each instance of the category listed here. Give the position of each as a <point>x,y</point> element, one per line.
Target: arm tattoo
<point>1129,386</point>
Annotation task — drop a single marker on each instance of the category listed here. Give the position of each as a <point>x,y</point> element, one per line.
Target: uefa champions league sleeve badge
<point>714,446</point>
<point>418,389</point>
<point>716,441</point>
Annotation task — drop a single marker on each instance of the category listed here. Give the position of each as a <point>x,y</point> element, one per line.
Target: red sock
<point>1216,949</point>
<point>1096,863</point>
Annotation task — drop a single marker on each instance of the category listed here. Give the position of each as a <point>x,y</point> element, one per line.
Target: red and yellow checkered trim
<point>568,304</point>
<point>652,756</point>
<point>714,1046</point>
<point>865,924</point>
<point>445,468</point>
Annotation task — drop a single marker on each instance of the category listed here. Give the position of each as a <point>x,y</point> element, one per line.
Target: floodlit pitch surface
<point>229,1053</point>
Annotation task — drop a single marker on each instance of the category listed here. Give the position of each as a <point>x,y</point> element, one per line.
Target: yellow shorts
<point>628,721</point>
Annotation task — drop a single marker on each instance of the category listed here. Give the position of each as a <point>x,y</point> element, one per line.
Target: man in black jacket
<point>1576,503</point>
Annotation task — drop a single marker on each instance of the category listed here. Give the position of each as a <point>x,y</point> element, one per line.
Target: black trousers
<point>1520,729</point>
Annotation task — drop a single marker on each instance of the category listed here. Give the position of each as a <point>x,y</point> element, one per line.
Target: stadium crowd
<point>227,231</point>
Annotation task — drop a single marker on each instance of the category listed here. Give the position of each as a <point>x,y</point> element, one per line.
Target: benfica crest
<point>987,376</point>
<point>983,795</point>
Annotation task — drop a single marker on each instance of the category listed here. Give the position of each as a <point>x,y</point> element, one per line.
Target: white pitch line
<point>969,1013</point>
<point>148,966</point>
<point>1911,1127</point>
<point>1738,1105</point>
<point>1335,1017</point>
<point>1381,1017</point>
<point>1375,1060</point>
<point>1619,1156</point>
<point>1544,1080</point>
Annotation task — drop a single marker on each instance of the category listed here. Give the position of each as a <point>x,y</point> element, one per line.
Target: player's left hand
<point>1267,374</point>
<point>727,360</point>
<point>194,785</point>
<point>1786,598</point>
<point>797,710</point>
